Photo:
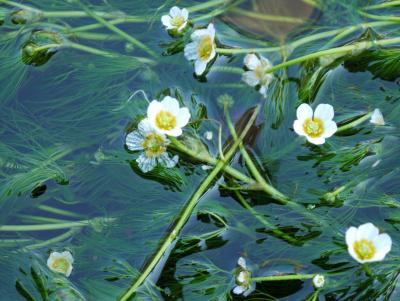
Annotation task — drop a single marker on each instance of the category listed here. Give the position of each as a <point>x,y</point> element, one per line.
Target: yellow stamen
<point>60,265</point>
<point>165,120</point>
<point>154,145</point>
<point>205,48</point>
<point>178,21</point>
<point>313,127</point>
<point>365,249</point>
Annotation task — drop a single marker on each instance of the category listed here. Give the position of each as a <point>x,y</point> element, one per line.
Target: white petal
<point>324,112</point>
<point>317,141</point>
<point>298,128</point>
<point>166,161</point>
<point>242,263</point>
<point>145,127</point>
<point>191,51</point>
<point>69,270</point>
<point>330,128</point>
<point>174,132</point>
<point>134,141</point>
<point>212,54</point>
<point>265,62</point>
<point>263,90</point>
<point>200,66</point>
<point>154,108</point>
<point>171,105</point>
<point>199,34</point>
<point>383,244</point>
<point>241,277</point>
<point>351,236</point>
<point>250,78</point>
<point>211,31</point>
<point>303,112</point>
<point>175,11</point>
<point>185,13</point>
<point>238,290</point>
<point>251,61</point>
<point>68,256</point>
<point>183,117</point>
<point>367,231</point>
<point>182,26</point>
<point>251,288</point>
<point>166,21</point>
<point>377,117</point>
<point>146,163</point>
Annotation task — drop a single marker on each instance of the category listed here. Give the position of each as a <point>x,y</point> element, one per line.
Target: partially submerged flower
<point>365,244</point>
<point>315,126</point>
<point>176,20</point>
<point>61,262</point>
<point>318,281</point>
<point>377,117</point>
<point>202,49</point>
<point>244,285</point>
<point>167,117</point>
<point>257,74</point>
<point>153,144</point>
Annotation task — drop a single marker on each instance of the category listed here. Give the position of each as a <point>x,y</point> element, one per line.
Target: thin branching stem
<point>283,277</point>
<point>383,5</point>
<point>186,213</point>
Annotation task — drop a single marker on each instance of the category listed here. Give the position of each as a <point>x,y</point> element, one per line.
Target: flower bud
<point>25,16</point>
<point>40,47</point>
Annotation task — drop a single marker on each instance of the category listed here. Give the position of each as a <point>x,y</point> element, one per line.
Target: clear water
<point>63,128</point>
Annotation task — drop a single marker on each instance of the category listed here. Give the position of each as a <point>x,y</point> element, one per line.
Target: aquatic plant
<point>99,100</point>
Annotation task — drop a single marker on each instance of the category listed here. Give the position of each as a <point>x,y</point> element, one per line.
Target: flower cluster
<point>244,285</point>
<point>164,118</point>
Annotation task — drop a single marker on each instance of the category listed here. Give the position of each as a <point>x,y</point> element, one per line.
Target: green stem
<point>354,123</point>
<point>51,241</point>
<point>185,214</point>
<point>19,5</point>
<point>94,26</point>
<point>263,221</point>
<point>90,49</point>
<point>205,5</point>
<point>118,31</point>
<point>383,18</point>
<point>336,50</point>
<point>253,169</point>
<point>46,227</point>
<point>58,211</point>
<point>383,5</point>
<point>283,277</point>
<point>368,270</point>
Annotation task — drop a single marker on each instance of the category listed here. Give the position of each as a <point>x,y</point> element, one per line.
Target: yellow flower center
<point>60,265</point>
<point>365,249</point>
<point>246,279</point>
<point>205,48</point>
<point>154,145</point>
<point>313,127</point>
<point>178,21</point>
<point>165,120</point>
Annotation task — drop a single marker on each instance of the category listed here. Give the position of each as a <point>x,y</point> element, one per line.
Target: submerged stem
<point>283,277</point>
<point>185,214</point>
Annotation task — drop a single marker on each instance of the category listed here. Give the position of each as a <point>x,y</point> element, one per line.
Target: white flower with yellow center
<point>176,20</point>
<point>167,117</point>
<point>202,49</point>
<point>316,126</point>
<point>377,117</point>
<point>244,285</point>
<point>318,281</point>
<point>365,244</point>
<point>61,262</point>
<point>153,144</point>
<point>257,75</point>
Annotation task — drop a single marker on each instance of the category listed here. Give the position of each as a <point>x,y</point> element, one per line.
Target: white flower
<point>257,75</point>
<point>153,144</point>
<point>365,244</point>
<point>202,49</point>
<point>208,135</point>
<point>176,20</point>
<point>61,262</point>
<point>166,117</point>
<point>377,117</point>
<point>319,281</point>
<point>244,285</point>
<point>316,126</point>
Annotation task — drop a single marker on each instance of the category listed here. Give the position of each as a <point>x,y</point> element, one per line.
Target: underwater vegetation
<point>199,150</point>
